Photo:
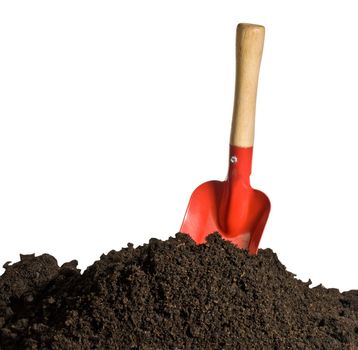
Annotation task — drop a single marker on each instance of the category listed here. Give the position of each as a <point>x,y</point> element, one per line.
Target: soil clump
<point>171,294</point>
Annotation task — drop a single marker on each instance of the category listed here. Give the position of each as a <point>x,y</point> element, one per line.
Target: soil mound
<point>171,294</point>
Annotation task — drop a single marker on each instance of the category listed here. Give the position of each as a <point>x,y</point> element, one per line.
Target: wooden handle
<point>249,46</point>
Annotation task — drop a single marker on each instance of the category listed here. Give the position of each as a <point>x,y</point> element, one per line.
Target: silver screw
<point>233,159</point>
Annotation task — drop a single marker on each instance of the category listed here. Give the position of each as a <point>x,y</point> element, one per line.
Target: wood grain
<point>249,47</point>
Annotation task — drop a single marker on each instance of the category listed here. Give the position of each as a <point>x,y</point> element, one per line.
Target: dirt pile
<point>171,295</point>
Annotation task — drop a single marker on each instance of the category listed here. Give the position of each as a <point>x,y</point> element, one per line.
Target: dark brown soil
<point>171,295</point>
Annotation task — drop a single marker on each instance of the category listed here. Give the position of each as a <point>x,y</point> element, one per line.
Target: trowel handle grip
<point>249,47</point>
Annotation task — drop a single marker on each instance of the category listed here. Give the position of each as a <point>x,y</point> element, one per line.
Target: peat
<point>171,294</point>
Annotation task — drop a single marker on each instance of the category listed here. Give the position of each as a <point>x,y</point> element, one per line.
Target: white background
<point>111,113</point>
